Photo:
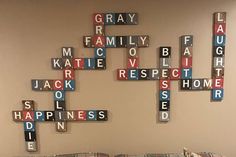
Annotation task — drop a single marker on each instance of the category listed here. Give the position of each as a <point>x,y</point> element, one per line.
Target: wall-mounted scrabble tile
<point>31,146</point>
<point>164,116</point>
<point>143,74</point>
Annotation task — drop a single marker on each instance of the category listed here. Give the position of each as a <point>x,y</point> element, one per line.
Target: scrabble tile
<point>165,63</point>
<point>109,18</point>
<point>102,115</point>
<point>100,52</point>
<point>187,51</point>
<point>164,95</point>
<point>133,74</point>
<point>154,74</point>
<point>220,17</point>
<point>49,115</point>
<point>68,74</point>
<point>69,85</point>
<point>219,62</point>
<point>165,73</point>
<point>186,40</point>
<point>217,94</point>
<point>39,116</point>
<point>92,115</point>
<point>120,18</point>
<point>59,105</point>
<point>67,52</point>
<point>219,40</point>
<point>164,105</point>
<point>133,63</point>
<point>30,136</point>
<point>165,52</point>
<point>164,84</point>
<point>58,84</point>
<point>143,74</point>
<point>100,63</point>
<point>28,116</point>
<point>175,73</point>
<point>132,52</point>
<point>122,74</point>
<point>61,126</point>
<point>17,116</point>
<point>29,126</point>
<point>197,84</point>
<point>186,62</point>
<point>60,116</point>
<point>207,84</point>
<point>81,115</point>
<point>98,18</point>
<point>88,41</point>
<point>218,51</point>
<point>59,95</point>
<point>78,63</point>
<point>219,28</point>
<point>70,115</point>
<point>143,41</point>
<point>89,63</point>
<point>186,73</point>
<point>132,41</point>
<point>164,116</point>
<point>218,83</point>
<point>57,63</point>
<point>31,146</point>
<point>121,41</point>
<point>67,63</point>
<point>218,72</point>
<point>47,85</point>
<point>110,41</point>
<point>28,105</point>
<point>37,85</point>
<point>185,84</point>
<point>99,29</point>
<point>131,18</point>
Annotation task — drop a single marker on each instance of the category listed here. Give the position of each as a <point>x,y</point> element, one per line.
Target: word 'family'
<point>100,42</point>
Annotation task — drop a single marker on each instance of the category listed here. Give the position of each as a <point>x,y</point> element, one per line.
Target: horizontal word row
<point>70,115</point>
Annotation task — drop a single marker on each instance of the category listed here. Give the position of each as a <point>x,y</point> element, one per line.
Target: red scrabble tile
<point>164,84</point>
<point>218,83</point>
<point>122,74</point>
<point>58,84</point>
<point>186,62</point>
<point>175,73</point>
<point>69,74</point>
<point>81,115</point>
<point>78,63</point>
<point>98,18</point>
<point>28,115</point>
<point>133,63</point>
<point>99,41</point>
<point>219,28</point>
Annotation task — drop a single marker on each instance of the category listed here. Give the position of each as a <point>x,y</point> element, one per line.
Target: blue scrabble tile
<point>219,40</point>
<point>92,115</point>
<point>100,52</point>
<point>186,73</point>
<point>133,74</point>
<point>59,95</point>
<point>111,41</point>
<point>29,126</point>
<point>69,85</point>
<point>39,116</point>
<point>89,63</point>
<point>217,94</point>
<point>164,95</point>
<point>109,19</point>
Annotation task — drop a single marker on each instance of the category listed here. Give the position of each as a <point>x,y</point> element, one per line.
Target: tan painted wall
<point>32,32</point>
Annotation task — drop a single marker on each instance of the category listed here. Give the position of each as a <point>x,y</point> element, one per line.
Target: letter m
<point>67,52</point>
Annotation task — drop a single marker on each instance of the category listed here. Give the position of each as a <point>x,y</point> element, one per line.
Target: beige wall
<point>32,32</point>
